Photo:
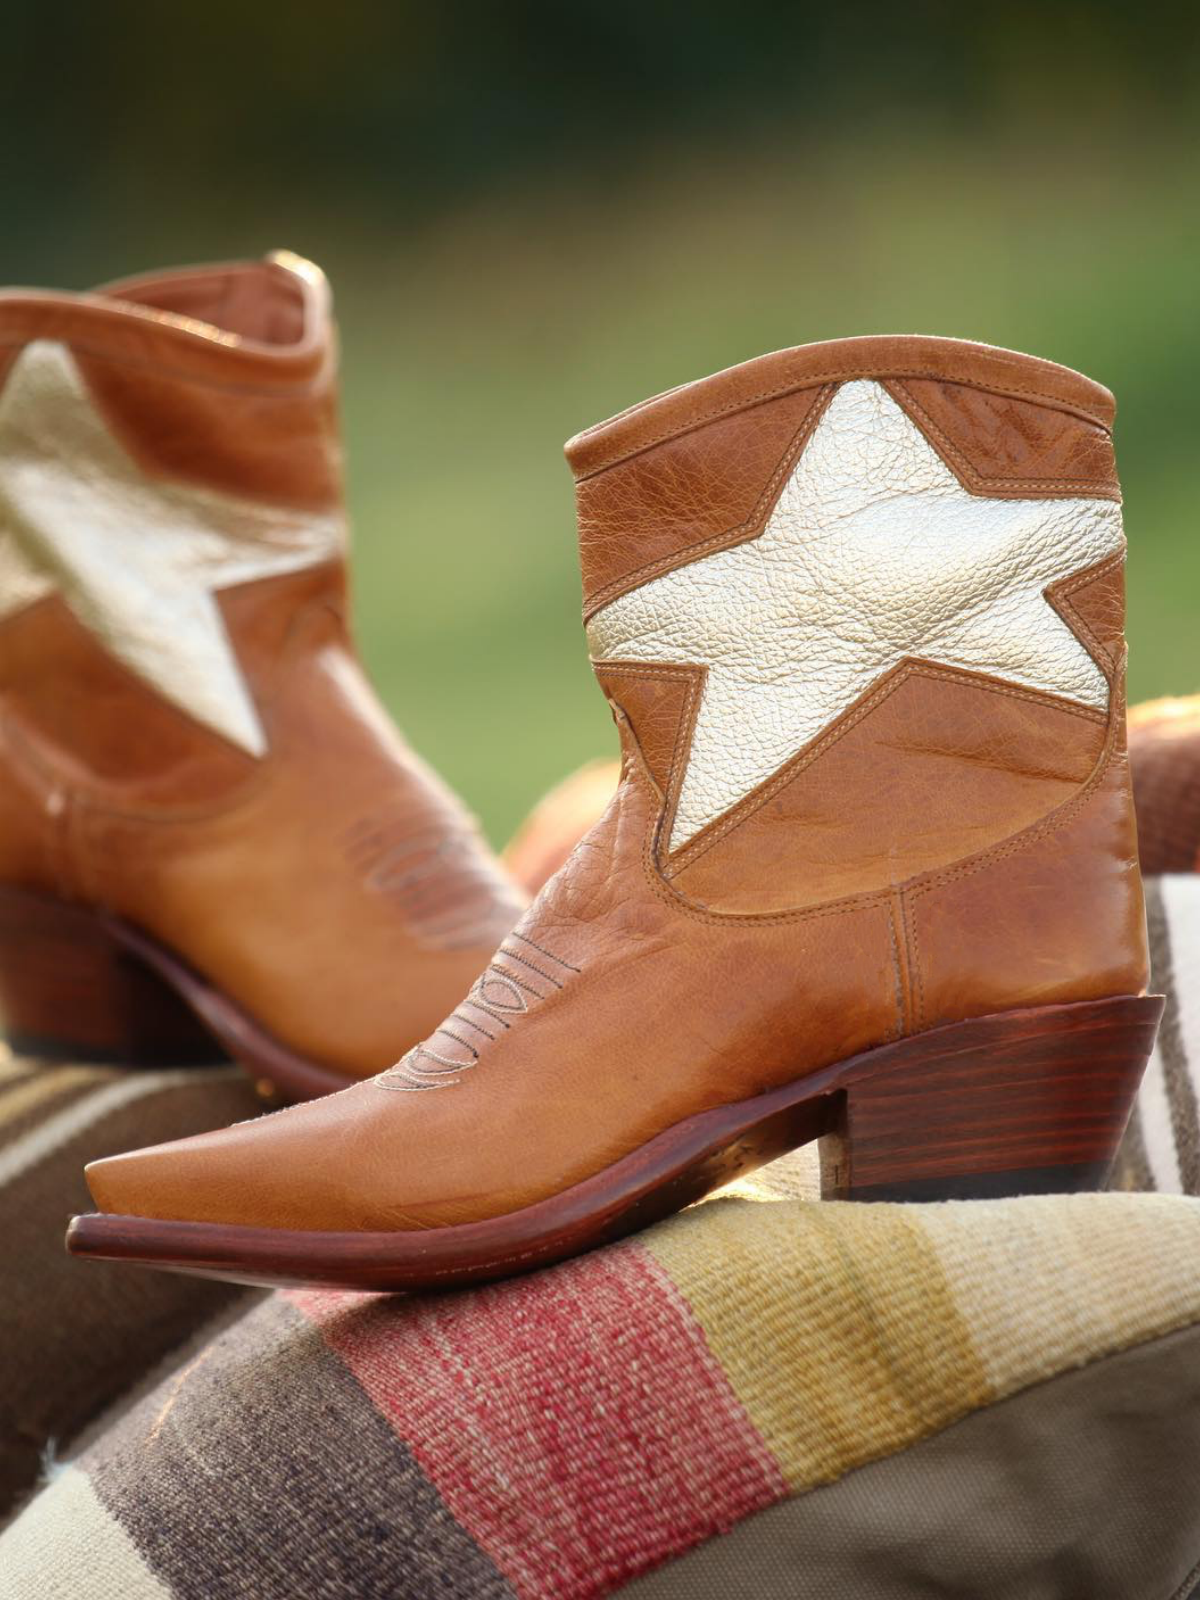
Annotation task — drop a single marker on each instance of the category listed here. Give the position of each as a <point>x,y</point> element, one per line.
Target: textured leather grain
<point>874,553</point>
<point>1057,908</point>
<point>1003,446</point>
<point>894,839</point>
<point>1005,373</point>
<point>659,704</point>
<point>704,490</point>
<point>186,736</point>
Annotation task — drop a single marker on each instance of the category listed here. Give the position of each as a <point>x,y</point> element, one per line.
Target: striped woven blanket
<point>592,1429</point>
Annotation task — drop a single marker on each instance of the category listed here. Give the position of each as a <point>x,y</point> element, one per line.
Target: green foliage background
<point>535,216</point>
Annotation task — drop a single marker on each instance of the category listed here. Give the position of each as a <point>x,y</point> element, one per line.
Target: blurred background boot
<point>211,836</point>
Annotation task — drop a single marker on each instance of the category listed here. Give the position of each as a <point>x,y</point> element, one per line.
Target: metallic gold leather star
<point>874,553</point>
<point>137,560</point>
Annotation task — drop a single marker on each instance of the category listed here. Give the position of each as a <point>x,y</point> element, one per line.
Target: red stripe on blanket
<point>575,1422</point>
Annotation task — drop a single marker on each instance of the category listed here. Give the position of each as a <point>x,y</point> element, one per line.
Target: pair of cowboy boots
<point>870,875</point>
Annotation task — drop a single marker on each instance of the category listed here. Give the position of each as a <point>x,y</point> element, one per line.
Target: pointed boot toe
<point>135,1183</point>
<point>208,1178</point>
<point>287,1169</point>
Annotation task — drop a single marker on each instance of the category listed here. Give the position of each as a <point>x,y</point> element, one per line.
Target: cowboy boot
<point>870,875</point>
<point>210,834</point>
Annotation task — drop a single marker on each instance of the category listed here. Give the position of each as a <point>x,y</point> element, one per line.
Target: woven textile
<point>564,1434</point>
<point>72,1342</point>
<point>1161,1149</point>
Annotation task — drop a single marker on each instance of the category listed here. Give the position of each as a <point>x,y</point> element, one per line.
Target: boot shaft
<point>221,376</point>
<point>162,440</point>
<point>779,568</point>
<point>859,609</point>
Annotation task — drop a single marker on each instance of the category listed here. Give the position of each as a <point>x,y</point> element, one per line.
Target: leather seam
<point>78,867</point>
<point>902,1007</point>
<point>980,483</point>
<point>663,891</point>
<point>851,375</point>
<point>668,672</point>
<point>914,667</point>
<point>750,527</point>
<point>1026,839</point>
<point>834,908</point>
<point>105,811</point>
<point>61,799</point>
<point>1036,832</point>
<point>683,743</point>
<point>912,889</point>
<point>916,975</point>
<point>99,810</point>
<point>1061,597</point>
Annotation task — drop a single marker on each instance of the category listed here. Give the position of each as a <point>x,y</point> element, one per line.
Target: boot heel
<point>1029,1102</point>
<point>68,989</point>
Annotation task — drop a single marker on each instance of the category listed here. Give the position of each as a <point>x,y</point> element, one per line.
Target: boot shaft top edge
<point>883,356</point>
<point>259,324</point>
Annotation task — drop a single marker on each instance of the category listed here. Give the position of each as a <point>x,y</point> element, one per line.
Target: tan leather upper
<point>953,843</point>
<point>328,884</point>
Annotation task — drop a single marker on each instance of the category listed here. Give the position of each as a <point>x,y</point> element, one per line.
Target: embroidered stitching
<point>1062,597</point>
<point>500,995</point>
<point>541,949</point>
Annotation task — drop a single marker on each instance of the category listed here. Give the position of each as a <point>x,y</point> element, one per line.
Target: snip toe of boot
<point>244,1176</point>
<point>288,1169</point>
<point>183,1181</point>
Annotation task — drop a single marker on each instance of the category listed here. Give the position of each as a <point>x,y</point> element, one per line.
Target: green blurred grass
<point>475,348</point>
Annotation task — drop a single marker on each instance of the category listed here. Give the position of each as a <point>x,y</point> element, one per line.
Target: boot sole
<point>1023,1102</point>
<point>83,985</point>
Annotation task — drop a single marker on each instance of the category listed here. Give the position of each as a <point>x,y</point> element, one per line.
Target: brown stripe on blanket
<point>75,1334</point>
<point>263,1469</point>
<point>32,1093</point>
<point>1181,1091</point>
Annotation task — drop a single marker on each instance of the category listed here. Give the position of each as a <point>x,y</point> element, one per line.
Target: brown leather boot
<point>209,830</point>
<point>870,875</point>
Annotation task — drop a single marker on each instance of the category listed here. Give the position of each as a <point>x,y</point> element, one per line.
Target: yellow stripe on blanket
<point>834,1324</point>
<point>851,1331</point>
